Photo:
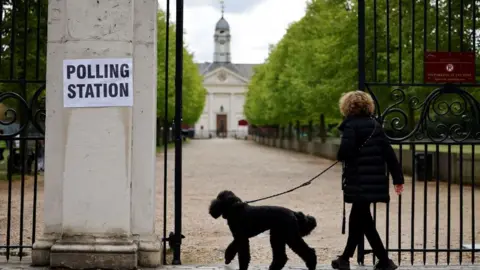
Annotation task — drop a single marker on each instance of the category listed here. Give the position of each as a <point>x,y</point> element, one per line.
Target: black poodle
<point>286,228</point>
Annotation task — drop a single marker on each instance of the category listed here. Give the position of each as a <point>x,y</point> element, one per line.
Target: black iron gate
<point>435,127</point>
<point>174,239</point>
<point>23,36</point>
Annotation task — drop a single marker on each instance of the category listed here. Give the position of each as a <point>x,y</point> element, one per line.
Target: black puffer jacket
<point>365,174</point>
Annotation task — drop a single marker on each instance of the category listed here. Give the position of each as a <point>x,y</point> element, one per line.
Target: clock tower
<point>222,40</point>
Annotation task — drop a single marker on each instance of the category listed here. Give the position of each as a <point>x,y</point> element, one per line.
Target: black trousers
<point>361,223</point>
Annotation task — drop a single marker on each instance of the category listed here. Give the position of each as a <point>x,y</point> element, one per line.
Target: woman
<point>364,151</point>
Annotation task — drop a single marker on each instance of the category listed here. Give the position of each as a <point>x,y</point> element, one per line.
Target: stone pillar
<point>100,162</point>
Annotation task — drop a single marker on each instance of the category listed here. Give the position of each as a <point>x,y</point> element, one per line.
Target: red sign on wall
<point>449,67</point>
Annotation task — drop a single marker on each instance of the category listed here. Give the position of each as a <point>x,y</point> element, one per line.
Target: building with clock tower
<point>226,84</point>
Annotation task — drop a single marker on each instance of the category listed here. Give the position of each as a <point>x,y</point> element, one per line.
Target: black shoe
<point>389,265</point>
<point>341,263</point>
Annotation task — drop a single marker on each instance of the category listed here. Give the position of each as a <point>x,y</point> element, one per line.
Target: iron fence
<point>431,123</point>
<point>23,26</point>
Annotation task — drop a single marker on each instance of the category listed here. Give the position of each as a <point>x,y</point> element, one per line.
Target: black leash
<point>297,187</point>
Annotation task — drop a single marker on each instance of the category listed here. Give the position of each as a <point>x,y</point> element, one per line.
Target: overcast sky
<point>254,24</point>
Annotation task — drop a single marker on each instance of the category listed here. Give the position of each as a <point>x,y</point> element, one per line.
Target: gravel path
<point>252,171</point>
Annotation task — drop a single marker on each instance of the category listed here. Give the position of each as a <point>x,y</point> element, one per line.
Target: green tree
<point>316,60</point>
<point>193,91</point>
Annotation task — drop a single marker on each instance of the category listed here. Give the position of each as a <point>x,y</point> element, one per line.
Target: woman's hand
<point>399,189</point>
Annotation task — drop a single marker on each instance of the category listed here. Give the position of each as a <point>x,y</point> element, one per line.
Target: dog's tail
<point>306,223</point>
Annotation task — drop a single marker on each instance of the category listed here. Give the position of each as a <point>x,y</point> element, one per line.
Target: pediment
<point>225,76</point>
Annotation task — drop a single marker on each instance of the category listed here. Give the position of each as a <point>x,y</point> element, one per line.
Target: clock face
<point>222,76</point>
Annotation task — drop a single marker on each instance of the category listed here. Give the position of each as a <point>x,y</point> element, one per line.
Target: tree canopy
<point>316,60</point>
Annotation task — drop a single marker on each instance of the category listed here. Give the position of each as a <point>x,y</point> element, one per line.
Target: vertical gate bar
<point>425,48</point>
<point>165,133</point>
<point>9,210</point>
<point>437,200</point>
<point>361,45</point>
<point>425,28</point>
<point>413,43</point>
<point>23,145</point>
<point>461,203</point>
<point>178,132</point>
<point>388,40</point>
<point>449,198</point>
<point>461,25</point>
<point>400,42</point>
<point>473,204</point>
<point>400,212</point>
<point>387,214</point>
<point>35,189</point>
<point>25,43</point>
<point>474,25</point>
<point>412,221</point>
<point>425,202</point>
<point>474,34</point>
<point>1,30</point>
<point>22,185</point>
<point>24,119</point>
<point>449,25</point>
<point>37,57</point>
<point>12,39</point>
<point>374,222</point>
<point>361,86</point>
<point>375,40</point>
<point>436,26</point>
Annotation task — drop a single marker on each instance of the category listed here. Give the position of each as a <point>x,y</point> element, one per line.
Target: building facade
<point>226,84</point>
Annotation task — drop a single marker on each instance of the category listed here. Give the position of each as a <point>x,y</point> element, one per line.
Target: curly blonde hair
<point>356,103</point>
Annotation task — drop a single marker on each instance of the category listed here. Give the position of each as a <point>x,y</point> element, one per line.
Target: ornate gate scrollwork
<point>448,113</point>
<point>31,111</point>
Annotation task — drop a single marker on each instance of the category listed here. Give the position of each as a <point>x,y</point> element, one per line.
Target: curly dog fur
<point>245,221</point>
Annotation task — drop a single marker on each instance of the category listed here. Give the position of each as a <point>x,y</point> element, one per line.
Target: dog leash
<point>297,187</point>
<point>316,176</point>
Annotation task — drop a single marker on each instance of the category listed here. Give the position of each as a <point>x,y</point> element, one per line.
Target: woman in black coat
<point>366,155</point>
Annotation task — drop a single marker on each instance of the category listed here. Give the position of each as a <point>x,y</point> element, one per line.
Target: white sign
<point>97,82</point>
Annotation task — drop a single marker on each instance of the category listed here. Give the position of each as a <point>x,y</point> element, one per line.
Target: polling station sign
<point>97,82</point>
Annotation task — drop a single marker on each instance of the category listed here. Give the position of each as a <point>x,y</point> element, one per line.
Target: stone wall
<point>459,168</point>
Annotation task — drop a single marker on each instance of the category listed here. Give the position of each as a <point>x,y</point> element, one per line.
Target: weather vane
<point>222,2</point>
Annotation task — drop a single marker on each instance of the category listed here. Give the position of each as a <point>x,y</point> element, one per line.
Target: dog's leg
<point>308,255</point>
<point>278,243</point>
<point>230,252</point>
<point>243,246</point>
